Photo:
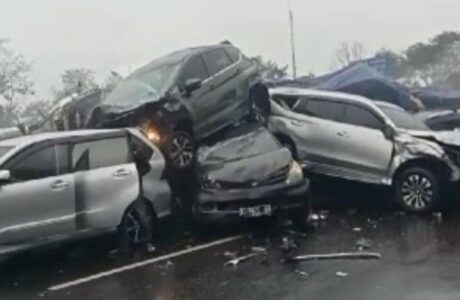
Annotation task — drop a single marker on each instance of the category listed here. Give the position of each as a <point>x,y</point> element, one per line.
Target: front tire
<point>418,190</point>
<point>180,150</point>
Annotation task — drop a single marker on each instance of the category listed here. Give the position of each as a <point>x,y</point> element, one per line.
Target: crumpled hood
<point>450,138</point>
<point>249,169</point>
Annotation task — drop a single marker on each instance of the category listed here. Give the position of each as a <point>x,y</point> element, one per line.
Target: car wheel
<point>417,190</point>
<point>180,150</point>
<point>137,226</point>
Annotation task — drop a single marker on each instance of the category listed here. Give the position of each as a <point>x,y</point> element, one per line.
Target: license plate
<point>256,211</point>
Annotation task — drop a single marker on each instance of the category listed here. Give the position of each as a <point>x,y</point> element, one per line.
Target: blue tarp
<point>436,98</point>
<point>360,79</point>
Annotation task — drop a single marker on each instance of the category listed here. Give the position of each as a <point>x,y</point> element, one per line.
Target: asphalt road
<point>420,259</point>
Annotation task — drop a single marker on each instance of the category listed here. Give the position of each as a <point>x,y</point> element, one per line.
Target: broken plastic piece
<point>363,244</point>
<point>344,255</point>
<point>357,229</point>
<point>341,274</point>
<point>236,261</point>
<point>288,244</point>
<point>297,233</point>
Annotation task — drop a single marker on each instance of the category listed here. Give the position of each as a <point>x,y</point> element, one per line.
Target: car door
<point>223,103</point>
<point>197,101</point>
<point>363,144</point>
<point>106,181</point>
<point>316,130</point>
<point>38,201</point>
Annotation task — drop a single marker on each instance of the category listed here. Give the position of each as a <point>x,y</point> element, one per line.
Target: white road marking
<point>141,264</point>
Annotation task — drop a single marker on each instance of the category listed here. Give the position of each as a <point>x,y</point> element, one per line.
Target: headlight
<point>150,131</point>
<point>295,173</point>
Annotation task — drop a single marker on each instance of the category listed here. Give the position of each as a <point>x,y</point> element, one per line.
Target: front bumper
<point>227,203</point>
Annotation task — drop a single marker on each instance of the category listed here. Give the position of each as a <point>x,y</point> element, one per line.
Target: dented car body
<point>63,185</point>
<point>354,138</point>
<point>249,174</point>
<point>182,97</point>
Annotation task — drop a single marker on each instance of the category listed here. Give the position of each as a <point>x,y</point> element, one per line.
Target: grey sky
<point>105,34</point>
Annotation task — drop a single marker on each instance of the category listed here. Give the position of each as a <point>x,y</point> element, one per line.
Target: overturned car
<point>250,174</point>
<point>351,137</point>
<point>185,96</point>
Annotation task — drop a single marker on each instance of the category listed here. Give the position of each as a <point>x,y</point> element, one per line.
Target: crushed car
<point>185,96</point>
<point>354,138</point>
<point>440,120</point>
<point>59,186</point>
<point>250,174</point>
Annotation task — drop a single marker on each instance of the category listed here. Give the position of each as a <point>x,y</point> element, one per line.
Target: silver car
<point>355,138</point>
<point>61,185</point>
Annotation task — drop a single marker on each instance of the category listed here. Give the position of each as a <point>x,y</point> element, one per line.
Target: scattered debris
<point>363,244</point>
<point>341,274</point>
<point>344,255</point>
<point>236,261</point>
<point>297,233</point>
<point>288,244</point>
<point>357,229</point>
<point>438,216</point>
<point>230,254</point>
<point>301,273</point>
<point>321,216</point>
<point>260,250</point>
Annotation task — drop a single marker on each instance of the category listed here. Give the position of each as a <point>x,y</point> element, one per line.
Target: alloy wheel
<point>417,191</point>
<point>181,151</point>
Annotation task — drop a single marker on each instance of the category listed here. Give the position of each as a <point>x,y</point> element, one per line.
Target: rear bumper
<point>214,204</point>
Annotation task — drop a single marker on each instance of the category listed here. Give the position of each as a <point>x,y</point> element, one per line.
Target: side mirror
<point>191,85</point>
<point>388,132</point>
<point>5,176</point>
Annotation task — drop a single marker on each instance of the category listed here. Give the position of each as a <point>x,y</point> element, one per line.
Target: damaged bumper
<point>231,203</point>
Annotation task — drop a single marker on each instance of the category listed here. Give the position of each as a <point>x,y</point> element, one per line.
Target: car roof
<point>295,91</point>
<point>40,137</point>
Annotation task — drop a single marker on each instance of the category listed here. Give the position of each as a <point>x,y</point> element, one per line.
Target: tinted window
<point>39,164</point>
<point>233,53</point>
<point>100,154</point>
<point>194,69</point>
<point>359,116</point>
<point>216,60</point>
<point>323,109</point>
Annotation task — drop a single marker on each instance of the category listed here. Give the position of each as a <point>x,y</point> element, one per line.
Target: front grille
<point>277,177</point>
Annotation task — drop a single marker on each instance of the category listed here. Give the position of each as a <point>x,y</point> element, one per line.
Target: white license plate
<point>256,211</point>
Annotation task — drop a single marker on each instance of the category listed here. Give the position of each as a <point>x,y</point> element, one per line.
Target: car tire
<point>180,150</point>
<point>417,190</point>
<point>137,226</point>
<point>260,109</point>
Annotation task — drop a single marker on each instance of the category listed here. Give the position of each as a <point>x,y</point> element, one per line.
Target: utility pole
<point>291,25</point>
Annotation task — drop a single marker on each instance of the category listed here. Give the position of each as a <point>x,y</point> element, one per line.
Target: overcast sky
<point>105,34</point>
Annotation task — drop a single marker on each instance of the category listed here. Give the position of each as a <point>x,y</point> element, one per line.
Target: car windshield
<point>144,86</point>
<point>403,119</point>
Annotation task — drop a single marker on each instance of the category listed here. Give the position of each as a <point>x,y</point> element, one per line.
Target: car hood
<point>449,138</point>
<point>250,169</point>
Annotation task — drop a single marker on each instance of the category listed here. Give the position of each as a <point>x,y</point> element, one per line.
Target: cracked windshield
<point>229,149</point>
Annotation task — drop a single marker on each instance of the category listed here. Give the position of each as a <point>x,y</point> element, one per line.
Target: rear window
<point>100,154</point>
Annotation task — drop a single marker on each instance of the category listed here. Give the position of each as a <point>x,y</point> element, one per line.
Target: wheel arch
<point>438,167</point>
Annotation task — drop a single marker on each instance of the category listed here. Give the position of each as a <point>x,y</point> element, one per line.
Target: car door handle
<point>121,173</point>
<point>343,133</point>
<point>59,185</point>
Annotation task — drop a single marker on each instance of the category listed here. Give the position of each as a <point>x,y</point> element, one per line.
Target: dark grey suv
<point>185,96</point>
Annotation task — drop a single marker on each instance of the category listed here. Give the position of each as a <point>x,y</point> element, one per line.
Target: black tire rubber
<point>168,149</point>
<point>260,107</point>
<point>435,187</point>
<point>147,218</point>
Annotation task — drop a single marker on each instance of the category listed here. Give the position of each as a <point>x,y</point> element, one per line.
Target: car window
<point>216,60</point>
<point>323,109</point>
<point>195,69</point>
<point>100,154</point>
<point>359,116</point>
<point>234,53</point>
<point>39,164</point>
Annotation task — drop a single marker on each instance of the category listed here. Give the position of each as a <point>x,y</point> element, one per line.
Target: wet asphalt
<point>420,258</point>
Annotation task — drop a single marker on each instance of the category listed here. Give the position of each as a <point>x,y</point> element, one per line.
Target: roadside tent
<point>436,98</point>
<point>360,79</point>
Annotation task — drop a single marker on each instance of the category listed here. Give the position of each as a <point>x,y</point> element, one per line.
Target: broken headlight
<point>211,184</point>
<point>295,173</point>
